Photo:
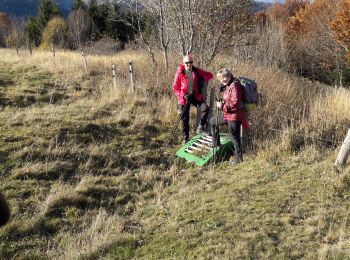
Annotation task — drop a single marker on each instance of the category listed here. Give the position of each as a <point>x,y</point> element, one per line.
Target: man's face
<point>188,64</point>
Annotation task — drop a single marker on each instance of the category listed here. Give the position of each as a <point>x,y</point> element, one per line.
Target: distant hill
<point>26,8</point>
<point>259,6</point>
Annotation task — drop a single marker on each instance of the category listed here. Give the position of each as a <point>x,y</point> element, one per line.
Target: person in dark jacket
<point>4,211</point>
<point>233,115</point>
<point>187,88</point>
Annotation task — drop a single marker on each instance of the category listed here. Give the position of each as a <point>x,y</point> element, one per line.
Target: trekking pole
<point>177,122</point>
<point>216,131</point>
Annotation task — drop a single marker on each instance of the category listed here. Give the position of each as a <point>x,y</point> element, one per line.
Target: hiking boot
<point>200,130</point>
<point>184,141</point>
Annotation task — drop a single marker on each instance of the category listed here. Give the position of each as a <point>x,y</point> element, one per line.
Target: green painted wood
<point>203,154</point>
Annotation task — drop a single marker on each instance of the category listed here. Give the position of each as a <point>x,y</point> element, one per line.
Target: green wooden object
<point>199,150</point>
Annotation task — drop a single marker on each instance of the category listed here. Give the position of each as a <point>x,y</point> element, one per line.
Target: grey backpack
<point>250,90</point>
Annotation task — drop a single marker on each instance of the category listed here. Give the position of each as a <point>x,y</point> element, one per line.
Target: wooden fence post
<point>114,76</point>
<point>29,45</point>
<point>344,151</point>
<point>53,50</point>
<point>30,49</point>
<point>85,62</point>
<point>131,71</point>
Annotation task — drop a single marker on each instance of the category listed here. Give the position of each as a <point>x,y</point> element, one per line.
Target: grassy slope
<point>67,160</point>
<point>84,179</point>
<point>257,210</point>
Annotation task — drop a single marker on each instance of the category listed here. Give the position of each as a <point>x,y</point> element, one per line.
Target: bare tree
<point>16,33</point>
<point>204,27</point>
<point>269,46</point>
<point>80,27</point>
<point>157,13</point>
<point>207,27</point>
<point>142,22</point>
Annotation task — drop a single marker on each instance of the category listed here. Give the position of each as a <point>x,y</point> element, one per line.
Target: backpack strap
<point>237,81</point>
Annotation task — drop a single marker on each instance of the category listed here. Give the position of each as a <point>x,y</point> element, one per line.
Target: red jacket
<point>233,106</point>
<point>181,82</point>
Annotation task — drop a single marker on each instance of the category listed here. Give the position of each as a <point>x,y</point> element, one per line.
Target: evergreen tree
<point>32,31</point>
<point>101,21</point>
<point>112,21</point>
<point>47,10</point>
<point>93,9</point>
<point>116,26</point>
<point>109,21</point>
<point>99,13</point>
<point>78,4</point>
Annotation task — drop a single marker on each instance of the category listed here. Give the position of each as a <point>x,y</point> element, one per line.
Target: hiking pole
<point>177,122</point>
<point>216,131</point>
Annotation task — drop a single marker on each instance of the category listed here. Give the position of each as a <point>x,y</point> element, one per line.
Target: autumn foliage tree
<point>341,27</point>
<point>4,26</point>
<point>312,46</point>
<point>281,12</point>
<point>270,39</point>
<point>54,33</point>
<point>312,38</point>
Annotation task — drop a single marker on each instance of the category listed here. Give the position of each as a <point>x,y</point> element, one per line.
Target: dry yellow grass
<point>290,101</point>
<point>334,105</point>
<point>87,177</point>
<point>97,234</point>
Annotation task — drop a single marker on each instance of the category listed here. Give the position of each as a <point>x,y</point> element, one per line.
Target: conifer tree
<point>47,10</point>
<point>112,24</point>
<point>32,31</point>
<point>93,9</point>
<point>78,4</point>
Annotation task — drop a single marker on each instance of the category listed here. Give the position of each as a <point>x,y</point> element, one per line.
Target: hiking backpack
<point>250,90</point>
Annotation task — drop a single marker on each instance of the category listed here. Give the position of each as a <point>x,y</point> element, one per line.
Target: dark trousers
<point>234,129</point>
<point>201,106</point>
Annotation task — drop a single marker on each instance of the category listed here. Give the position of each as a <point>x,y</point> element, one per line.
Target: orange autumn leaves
<point>341,27</point>
<point>314,21</point>
<point>320,28</point>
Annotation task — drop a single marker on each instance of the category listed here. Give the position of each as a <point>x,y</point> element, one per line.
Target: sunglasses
<point>189,62</point>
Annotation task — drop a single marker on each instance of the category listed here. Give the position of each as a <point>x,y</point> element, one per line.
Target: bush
<point>55,32</point>
<point>104,46</point>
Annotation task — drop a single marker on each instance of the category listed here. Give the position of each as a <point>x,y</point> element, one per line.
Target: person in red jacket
<point>233,115</point>
<point>187,87</point>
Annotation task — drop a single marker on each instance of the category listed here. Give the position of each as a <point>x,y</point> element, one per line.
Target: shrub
<point>55,32</point>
